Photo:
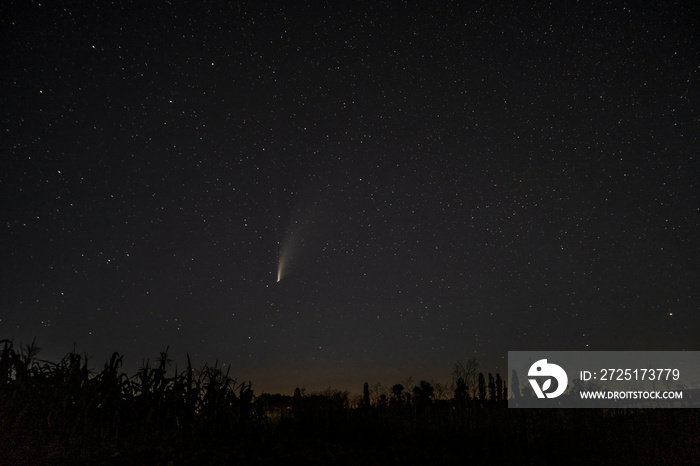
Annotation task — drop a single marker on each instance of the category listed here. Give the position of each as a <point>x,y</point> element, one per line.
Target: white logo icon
<point>542,368</point>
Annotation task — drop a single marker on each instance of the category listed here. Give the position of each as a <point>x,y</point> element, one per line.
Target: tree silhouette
<point>515,385</point>
<point>397,391</point>
<point>492,388</point>
<point>499,388</point>
<point>423,393</point>
<point>376,392</point>
<point>482,387</point>
<point>468,372</point>
<point>461,390</point>
<point>365,395</point>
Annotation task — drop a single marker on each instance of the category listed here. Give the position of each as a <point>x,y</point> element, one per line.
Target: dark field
<point>62,413</point>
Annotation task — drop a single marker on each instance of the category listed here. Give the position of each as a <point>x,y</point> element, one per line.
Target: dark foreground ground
<point>63,414</point>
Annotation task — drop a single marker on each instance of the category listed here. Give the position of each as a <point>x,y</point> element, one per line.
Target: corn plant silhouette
<point>71,409</point>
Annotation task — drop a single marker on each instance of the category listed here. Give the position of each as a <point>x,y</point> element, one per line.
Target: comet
<point>300,225</point>
<point>282,263</point>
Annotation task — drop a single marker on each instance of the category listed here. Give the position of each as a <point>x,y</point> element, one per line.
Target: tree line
<point>65,413</point>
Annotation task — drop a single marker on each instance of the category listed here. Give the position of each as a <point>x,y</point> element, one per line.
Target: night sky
<point>432,181</point>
